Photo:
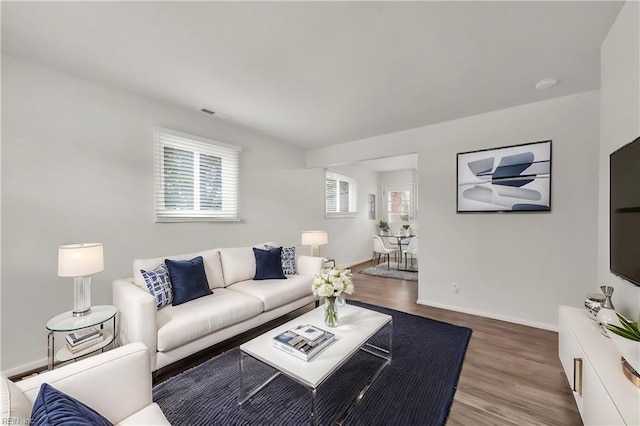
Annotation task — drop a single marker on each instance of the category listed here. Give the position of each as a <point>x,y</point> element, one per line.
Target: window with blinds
<point>196,178</point>
<point>339,195</point>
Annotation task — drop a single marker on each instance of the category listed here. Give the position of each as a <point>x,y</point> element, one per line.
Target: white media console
<point>592,364</point>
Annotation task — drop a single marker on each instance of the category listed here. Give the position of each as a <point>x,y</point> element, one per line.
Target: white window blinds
<point>196,178</point>
<point>340,195</point>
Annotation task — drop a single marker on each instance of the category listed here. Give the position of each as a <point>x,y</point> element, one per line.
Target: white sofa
<point>116,384</point>
<point>238,303</point>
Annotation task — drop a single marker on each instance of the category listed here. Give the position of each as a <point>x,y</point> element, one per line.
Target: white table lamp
<point>314,239</point>
<point>80,261</point>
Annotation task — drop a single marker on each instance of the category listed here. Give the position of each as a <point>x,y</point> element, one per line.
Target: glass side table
<point>67,323</point>
<point>327,261</point>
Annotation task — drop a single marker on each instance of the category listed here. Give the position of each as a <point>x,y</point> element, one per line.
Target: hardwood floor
<point>511,374</point>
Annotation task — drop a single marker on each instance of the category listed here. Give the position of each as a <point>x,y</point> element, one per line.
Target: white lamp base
<point>314,251</point>
<point>81,296</point>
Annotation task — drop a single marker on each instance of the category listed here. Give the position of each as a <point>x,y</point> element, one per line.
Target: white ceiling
<point>314,74</point>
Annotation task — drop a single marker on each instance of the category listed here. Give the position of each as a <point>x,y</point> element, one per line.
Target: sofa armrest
<point>136,316</point>
<point>115,383</point>
<point>309,265</point>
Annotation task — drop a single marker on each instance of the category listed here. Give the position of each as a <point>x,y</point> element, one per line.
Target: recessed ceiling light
<point>546,83</point>
<point>207,111</point>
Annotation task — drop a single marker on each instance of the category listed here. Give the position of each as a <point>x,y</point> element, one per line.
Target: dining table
<point>402,240</point>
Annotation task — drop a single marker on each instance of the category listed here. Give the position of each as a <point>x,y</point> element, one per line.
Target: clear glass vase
<point>331,312</point>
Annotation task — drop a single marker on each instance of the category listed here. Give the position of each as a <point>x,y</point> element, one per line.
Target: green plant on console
<point>629,330</point>
<point>383,226</point>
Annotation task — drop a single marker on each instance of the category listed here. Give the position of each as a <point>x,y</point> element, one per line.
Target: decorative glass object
<point>593,303</point>
<point>606,314</point>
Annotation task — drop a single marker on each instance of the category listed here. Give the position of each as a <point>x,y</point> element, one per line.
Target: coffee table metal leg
<point>380,352</point>
<point>314,407</point>
<point>246,393</point>
<point>389,328</point>
<point>377,350</point>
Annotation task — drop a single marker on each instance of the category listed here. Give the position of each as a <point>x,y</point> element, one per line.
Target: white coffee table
<point>356,328</point>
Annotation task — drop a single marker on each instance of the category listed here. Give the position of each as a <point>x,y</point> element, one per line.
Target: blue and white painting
<point>513,178</point>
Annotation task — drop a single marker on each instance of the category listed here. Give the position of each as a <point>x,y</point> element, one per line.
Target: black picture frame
<point>509,179</point>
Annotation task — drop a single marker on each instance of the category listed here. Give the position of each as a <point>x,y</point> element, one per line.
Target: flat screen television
<point>624,219</point>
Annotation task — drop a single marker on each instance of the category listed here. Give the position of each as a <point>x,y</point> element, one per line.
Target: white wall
<point>619,125</point>
<point>518,267</point>
<point>77,165</point>
<point>350,238</point>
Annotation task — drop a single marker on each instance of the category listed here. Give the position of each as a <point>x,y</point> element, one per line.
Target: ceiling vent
<point>217,114</point>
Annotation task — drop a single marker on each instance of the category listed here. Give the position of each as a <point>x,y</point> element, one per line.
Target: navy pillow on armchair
<point>188,279</point>
<point>269,264</point>
<point>53,407</point>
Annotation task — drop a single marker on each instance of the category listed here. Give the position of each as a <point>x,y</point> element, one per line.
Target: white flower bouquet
<point>332,282</point>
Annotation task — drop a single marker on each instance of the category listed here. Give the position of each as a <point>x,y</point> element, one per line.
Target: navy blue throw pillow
<point>53,407</point>
<point>188,279</point>
<point>269,264</point>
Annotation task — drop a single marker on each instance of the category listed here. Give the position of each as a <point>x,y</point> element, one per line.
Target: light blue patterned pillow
<point>159,285</point>
<point>288,259</point>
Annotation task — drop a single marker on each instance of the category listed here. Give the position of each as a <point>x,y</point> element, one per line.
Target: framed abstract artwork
<point>513,178</point>
<point>372,206</point>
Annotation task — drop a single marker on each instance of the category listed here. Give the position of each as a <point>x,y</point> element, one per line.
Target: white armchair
<point>117,384</point>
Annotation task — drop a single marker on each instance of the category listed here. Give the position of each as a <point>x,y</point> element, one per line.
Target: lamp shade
<point>314,238</point>
<point>79,260</point>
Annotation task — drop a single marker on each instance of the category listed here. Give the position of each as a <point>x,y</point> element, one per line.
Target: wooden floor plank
<point>511,374</point>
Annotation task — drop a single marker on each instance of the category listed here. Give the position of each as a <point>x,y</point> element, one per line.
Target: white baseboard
<point>349,265</point>
<point>21,369</point>
<point>490,315</point>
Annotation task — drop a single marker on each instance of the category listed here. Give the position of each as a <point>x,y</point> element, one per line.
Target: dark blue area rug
<point>417,388</point>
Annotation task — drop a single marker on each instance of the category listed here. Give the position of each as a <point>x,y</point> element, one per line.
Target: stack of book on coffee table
<point>304,341</point>
<point>83,339</point>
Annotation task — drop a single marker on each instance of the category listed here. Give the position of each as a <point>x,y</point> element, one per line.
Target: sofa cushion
<point>159,285</point>
<point>238,264</point>
<point>276,293</point>
<point>188,279</point>
<point>150,415</point>
<point>53,407</point>
<point>212,267</point>
<point>178,325</point>
<point>268,264</point>
<point>13,403</point>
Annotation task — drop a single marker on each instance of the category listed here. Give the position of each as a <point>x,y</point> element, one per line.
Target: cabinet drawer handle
<point>577,375</point>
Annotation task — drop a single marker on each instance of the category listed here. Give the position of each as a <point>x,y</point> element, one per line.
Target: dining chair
<point>381,249</point>
<point>411,250</point>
